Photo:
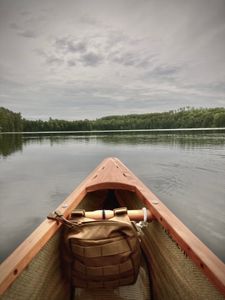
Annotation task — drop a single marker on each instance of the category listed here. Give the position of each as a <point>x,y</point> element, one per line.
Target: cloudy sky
<point>77,59</point>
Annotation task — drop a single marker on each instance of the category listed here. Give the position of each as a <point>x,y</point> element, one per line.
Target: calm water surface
<point>185,170</point>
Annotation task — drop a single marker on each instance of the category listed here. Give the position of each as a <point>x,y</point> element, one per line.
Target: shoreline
<point>120,131</point>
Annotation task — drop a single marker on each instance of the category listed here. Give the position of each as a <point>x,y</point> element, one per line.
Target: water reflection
<point>10,143</point>
<point>185,170</point>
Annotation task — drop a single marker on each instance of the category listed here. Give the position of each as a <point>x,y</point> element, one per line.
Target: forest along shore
<point>178,119</point>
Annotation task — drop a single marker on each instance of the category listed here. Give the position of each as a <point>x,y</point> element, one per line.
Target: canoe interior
<point>171,275</point>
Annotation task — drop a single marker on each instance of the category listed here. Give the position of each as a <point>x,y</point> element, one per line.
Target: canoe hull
<point>173,252</point>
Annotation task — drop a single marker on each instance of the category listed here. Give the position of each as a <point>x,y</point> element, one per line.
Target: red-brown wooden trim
<point>12,266</point>
<point>111,173</point>
<point>205,259</point>
<point>110,185</point>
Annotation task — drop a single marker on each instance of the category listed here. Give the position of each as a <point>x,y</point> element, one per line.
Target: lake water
<point>186,170</point>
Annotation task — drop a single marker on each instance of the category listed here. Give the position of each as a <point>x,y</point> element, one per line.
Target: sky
<point>77,59</point>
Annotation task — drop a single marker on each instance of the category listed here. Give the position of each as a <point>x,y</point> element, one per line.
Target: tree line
<point>182,118</point>
<point>10,121</point>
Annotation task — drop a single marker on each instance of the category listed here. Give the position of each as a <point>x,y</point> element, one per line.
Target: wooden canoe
<point>180,266</point>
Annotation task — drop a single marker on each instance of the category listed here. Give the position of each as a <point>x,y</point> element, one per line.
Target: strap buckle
<point>54,215</point>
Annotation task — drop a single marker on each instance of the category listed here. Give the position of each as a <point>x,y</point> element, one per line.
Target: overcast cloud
<point>86,59</point>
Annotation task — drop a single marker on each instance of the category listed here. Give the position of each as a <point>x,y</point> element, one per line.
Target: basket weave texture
<point>174,275</point>
<point>42,279</point>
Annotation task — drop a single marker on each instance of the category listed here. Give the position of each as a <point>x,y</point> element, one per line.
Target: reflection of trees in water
<point>10,144</point>
<point>184,140</point>
<point>56,138</point>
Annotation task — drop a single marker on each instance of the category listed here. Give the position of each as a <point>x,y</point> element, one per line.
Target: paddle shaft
<point>134,215</point>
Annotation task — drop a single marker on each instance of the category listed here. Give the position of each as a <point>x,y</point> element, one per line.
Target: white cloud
<point>78,59</point>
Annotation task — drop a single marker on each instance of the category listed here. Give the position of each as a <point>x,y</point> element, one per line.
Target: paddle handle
<point>134,215</point>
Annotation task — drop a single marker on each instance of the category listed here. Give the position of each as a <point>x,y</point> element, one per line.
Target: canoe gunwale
<point>15,263</point>
<point>207,261</point>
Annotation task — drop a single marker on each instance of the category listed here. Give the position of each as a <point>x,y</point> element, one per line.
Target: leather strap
<point>58,216</point>
<point>120,211</point>
<point>78,213</point>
